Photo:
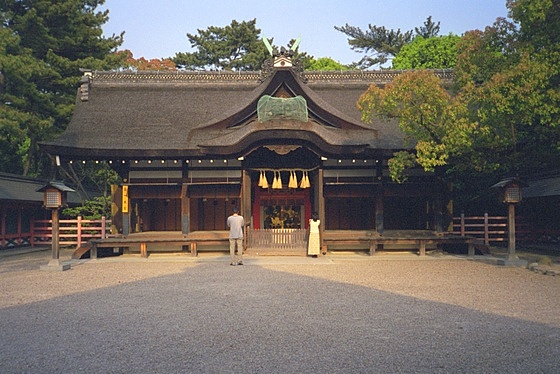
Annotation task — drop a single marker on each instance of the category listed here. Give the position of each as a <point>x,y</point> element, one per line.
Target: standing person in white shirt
<point>235,222</point>
<point>314,245</point>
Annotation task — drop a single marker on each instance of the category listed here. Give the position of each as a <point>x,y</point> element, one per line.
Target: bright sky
<point>157,29</point>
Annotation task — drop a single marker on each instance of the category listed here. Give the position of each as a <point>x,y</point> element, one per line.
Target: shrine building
<point>280,144</point>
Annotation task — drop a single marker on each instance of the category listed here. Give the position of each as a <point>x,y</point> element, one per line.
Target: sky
<point>158,29</point>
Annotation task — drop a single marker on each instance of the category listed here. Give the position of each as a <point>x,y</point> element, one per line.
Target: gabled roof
<point>320,110</point>
<point>19,188</point>
<point>26,189</point>
<point>194,114</point>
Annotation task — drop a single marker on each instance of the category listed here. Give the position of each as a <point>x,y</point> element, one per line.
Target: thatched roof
<point>190,114</point>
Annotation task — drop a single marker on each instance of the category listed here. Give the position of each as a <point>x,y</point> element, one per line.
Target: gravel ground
<point>334,314</point>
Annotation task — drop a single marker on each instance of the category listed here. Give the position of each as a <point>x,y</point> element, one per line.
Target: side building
<point>20,206</point>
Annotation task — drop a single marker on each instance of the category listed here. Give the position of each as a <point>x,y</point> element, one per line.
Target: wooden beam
<point>185,210</point>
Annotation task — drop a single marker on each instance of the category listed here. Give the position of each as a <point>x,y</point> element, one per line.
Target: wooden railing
<point>277,239</point>
<point>491,229</point>
<point>71,231</point>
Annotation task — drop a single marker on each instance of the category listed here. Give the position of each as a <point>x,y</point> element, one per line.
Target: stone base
<point>513,262</point>
<point>55,265</point>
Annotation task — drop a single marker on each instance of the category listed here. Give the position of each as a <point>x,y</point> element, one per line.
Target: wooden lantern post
<point>54,197</point>
<point>510,192</point>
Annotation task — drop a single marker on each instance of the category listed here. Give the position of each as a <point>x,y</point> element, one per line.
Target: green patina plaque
<point>271,108</point>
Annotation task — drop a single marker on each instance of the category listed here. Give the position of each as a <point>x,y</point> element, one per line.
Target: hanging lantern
<point>260,179</point>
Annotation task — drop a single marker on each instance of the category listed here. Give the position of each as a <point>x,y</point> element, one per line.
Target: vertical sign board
<point>125,199</point>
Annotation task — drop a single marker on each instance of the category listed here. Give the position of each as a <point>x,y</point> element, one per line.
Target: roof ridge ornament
<point>85,84</point>
<point>280,59</point>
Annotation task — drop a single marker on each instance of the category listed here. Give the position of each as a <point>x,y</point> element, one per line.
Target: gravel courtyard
<point>335,314</point>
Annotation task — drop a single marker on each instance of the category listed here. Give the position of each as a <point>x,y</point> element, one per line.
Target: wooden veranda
<point>287,242</point>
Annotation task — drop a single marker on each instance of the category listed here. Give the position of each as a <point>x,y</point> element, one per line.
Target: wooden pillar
<point>511,233</point>
<point>185,210</point>
<point>54,263</point>
<point>438,207</point>
<point>126,224</point>
<point>321,208</point>
<point>246,196</point>
<point>19,232</point>
<point>79,232</point>
<point>245,207</point>
<point>143,250</point>
<point>93,252</point>
<point>125,208</point>
<point>55,235</point>
<point>422,248</point>
<point>379,225</point>
<point>3,242</point>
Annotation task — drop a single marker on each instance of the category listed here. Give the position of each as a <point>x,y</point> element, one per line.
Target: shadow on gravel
<point>249,319</point>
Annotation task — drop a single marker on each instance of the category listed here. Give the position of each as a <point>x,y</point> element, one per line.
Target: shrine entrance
<point>280,221</point>
<point>281,209</point>
<point>282,186</point>
<point>282,198</point>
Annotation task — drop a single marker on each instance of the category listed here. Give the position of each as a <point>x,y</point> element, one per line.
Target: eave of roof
<point>542,187</point>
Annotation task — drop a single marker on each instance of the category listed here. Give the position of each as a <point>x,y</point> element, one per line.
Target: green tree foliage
<point>510,77</point>
<point>504,115</point>
<point>237,46</point>
<point>437,52</point>
<point>96,208</point>
<point>325,63</point>
<point>95,178</point>
<point>433,121</point>
<point>380,44</point>
<point>43,44</point>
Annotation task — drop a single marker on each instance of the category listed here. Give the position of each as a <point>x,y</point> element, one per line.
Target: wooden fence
<point>277,239</point>
<point>71,231</point>
<point>492,229</point>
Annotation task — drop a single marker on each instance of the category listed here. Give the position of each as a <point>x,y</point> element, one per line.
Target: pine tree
<point>380,44</point>
<point>237,46</point>
<point>43,45</point>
